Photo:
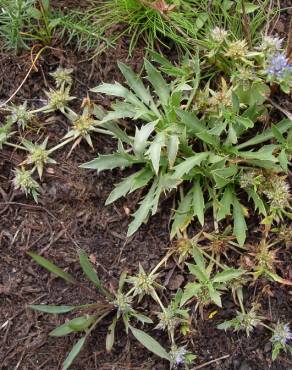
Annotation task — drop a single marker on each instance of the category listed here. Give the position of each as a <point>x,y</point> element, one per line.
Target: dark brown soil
<point>71,215</point>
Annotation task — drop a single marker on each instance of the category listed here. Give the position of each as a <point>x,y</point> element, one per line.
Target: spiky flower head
<point>168,320</point>
<point>270,44</point>
<point>178,355</point>
<point>278,193</point>
<point>282,334</point>
<point>243,321</point>
<point>123,303</point>
<point>278,66</point>
<point>236,50</point>
<point>62,76</point>
<point>20,114</point>
<point>143,283</point>
<point>218,34</point>
<point>39,155</point>
<point>58,99</point>
<point>23,180</point>
<point>251,179</point>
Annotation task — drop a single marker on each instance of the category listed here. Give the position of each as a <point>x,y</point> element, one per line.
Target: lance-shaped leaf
<point>150,343</point>
<point>227,275</point>
<point>52,309</point>
<point>157,81</point>
<point>172,149</point>
<point>81,323</point>
<point>198,202</point>
<point>51,267</point>
<point>154,151</point>
<point>188,164</point>
<point>268,134</point>
<point>143,211</point>
<point>239,224</point>
<point>73,353</point>
<point>117,90</point>
<point>141,137</point>
<point>225,204</point>
<point>137,86</point>
<point>109,162</point>
<point>110,337</point>
<point>183,215</point>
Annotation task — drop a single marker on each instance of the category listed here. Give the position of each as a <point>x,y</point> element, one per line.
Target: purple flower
<point>282,334</point>
<point>278,65</point>
<point>177,355</point>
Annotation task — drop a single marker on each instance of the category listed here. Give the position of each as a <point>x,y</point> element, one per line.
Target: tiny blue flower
<point>177,354</point>
<point>278,65</point>
<point>282,334</point>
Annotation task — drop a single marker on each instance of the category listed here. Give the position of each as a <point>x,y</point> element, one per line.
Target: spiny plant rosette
<point>119,305</point>
<point>200,149</point>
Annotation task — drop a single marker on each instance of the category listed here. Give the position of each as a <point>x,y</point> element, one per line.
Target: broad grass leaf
<point>198,202</point>
<point>51,309</point>
<point>157,81</point>
<point>88,269</point>
<point>239,224</point>
<point>51,267</point>
<point>227,275</point>
<point>150,343</point>
<point>73,353</point>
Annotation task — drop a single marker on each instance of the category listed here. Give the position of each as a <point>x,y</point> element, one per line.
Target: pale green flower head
<point>20,114</point>
<point>62,76</point>
<point>23,180</point>
<point>58,99</point>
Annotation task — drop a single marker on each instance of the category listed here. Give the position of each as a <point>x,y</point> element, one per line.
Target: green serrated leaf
<point>227,275</point>
<point>51,267</point>
<point>143,211</point>
<point>108,162</point>
<point>201,275</point>
<point>188,164</point>
<point>225,204</point>
<point>157,81</point>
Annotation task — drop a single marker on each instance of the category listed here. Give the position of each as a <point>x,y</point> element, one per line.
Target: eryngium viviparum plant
<point>182,146</point>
